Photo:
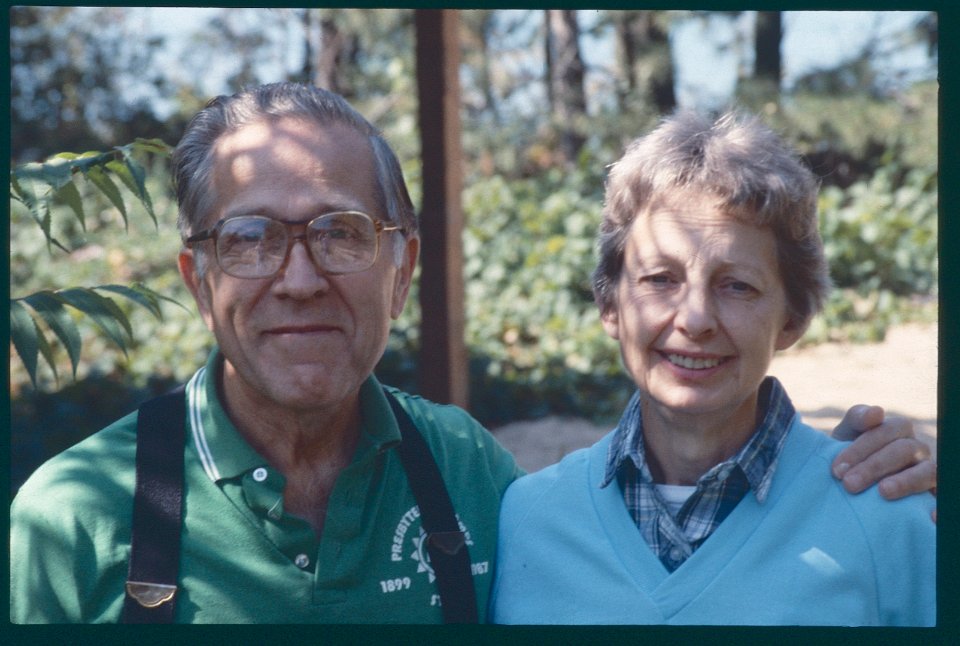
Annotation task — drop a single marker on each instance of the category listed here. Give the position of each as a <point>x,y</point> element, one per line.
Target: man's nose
<point>300,276</point>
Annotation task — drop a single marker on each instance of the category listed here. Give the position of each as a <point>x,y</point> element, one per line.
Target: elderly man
<point>300,503</point>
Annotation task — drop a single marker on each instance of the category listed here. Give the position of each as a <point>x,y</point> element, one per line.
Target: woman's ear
<point>610,319</point>
<point>791,333</point>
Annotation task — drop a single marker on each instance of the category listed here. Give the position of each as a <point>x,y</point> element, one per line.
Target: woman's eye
<point>657,279</point>
<point>741,287</point>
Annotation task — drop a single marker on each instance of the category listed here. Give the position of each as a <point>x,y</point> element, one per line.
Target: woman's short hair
<point>193,156</point>
<point>754,176</point>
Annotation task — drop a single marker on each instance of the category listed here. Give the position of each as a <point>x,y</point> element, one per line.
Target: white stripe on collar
<point>194,387</point>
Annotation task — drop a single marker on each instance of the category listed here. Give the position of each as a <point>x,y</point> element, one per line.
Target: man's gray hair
<point>750,172</point>
<point>192,159</point>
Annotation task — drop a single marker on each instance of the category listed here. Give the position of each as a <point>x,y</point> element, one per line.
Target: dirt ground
<point>899,374</point>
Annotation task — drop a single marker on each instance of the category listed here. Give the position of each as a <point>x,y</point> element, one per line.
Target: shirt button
<point>260,474</point>
<point>302,561</point>
<point>675,554</point>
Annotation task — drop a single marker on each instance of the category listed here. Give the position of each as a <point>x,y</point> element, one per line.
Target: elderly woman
<point>711,502</point>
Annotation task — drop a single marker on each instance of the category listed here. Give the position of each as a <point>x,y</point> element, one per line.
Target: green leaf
<point>133,179</point>
<point>156,146</point>
<point>139,175</point>
<point>24,181</point>
<point>105,313</point>
<point>69,194</point>
<point>49,306</point>
<point>144,296</point>
<point>133,176</point>
<point>17,190</point>
<point>24,334</point>
<point>29,339</point>
<point>102,181</point>
<point>45,221</point>
<point>90,159</point>
<point>46,351</point>
<point>57,172</point>
<point>120,170</point>
<point>141,296</point>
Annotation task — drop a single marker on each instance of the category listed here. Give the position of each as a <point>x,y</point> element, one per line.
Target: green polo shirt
<point>244,558</point>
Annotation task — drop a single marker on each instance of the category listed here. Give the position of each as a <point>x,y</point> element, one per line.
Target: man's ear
<point>187,264</point>
<point>404,277</point>
<point>610,319</point>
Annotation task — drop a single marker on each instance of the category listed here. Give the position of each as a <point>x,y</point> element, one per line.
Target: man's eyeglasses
<point>255,246</point>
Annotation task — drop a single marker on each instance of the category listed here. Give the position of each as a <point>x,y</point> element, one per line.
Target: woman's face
<point>700,309</point>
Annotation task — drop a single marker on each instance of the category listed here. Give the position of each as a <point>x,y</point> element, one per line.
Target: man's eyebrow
<point>273,212</point>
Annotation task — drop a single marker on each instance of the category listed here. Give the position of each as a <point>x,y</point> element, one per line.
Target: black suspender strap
<point>446,544</point>
<point>157,513</point>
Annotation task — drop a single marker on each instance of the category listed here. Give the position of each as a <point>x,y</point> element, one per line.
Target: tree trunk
<point>769,32</point>
<point>330,57</point>
<point>478,26</point>
<point>306,71</point>
<point>565,69</point>
<point>767,65</point>
<point>646,67</point>
<point>626,56</point>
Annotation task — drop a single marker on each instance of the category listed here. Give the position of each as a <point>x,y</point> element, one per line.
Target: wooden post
<point>443,351</point>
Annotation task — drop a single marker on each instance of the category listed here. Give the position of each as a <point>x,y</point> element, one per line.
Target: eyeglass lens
<point>256,246</point>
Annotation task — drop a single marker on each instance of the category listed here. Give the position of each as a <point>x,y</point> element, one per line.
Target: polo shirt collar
<point>224,453</point>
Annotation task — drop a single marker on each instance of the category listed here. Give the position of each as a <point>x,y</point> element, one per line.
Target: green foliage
<point>41,186</point>
<point>847,138</point>
<point>531,321</point>
<point>880,237</point>
<point>881,234</point>
<point>50,307</point>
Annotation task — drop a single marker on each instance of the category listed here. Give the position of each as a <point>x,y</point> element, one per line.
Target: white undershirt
<point>674,496</point>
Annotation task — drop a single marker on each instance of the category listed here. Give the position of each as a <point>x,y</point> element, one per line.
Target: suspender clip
<point>448,542</point>
<point>151,595</point>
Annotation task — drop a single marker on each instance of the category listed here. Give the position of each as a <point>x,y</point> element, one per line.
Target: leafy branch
<point>38,186</point>
<point>48,306</point>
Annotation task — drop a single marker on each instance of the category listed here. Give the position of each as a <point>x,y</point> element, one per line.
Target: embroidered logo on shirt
<point>409,542</point>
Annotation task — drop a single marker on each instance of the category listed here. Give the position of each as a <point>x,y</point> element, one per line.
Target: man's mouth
<point>301,329</point>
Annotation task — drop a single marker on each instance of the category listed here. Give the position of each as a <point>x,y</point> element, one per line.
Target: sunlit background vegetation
<point>549,100</point>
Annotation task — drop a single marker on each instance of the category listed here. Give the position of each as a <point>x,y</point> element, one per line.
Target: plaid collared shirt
<point>717,492</point>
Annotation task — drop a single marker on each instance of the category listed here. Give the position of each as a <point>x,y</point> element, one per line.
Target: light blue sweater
<point>569,552</point>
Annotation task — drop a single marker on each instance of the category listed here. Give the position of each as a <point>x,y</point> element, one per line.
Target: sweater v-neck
<point>672,591</point>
